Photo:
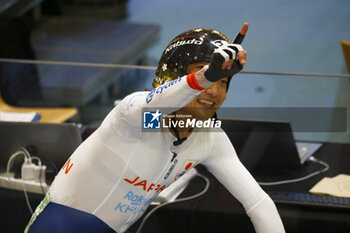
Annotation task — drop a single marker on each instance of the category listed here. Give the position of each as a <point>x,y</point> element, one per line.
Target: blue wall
<point>284,36</point>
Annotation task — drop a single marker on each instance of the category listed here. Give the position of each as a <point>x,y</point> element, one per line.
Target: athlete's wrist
<point>197,80</point>
<point>225,62</point>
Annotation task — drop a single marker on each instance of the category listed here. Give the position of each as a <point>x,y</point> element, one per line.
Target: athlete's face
<point>206,103</point>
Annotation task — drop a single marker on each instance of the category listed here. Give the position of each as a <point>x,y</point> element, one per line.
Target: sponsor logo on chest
<point>133,204</point>
<point>145,185</point>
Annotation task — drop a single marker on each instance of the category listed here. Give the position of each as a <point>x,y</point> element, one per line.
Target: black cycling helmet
<point>196,45</point>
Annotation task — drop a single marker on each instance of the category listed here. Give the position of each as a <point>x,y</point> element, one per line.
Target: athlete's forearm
<point>173,94</point>
<point>227,168</point>
<point>265,217</point>
<point>258,205</point>
<point>168,98</point>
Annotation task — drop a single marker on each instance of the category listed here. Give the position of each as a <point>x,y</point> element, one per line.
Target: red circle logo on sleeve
<point>186,166</point>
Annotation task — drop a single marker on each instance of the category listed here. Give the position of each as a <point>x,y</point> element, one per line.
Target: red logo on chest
<point>145,185</point>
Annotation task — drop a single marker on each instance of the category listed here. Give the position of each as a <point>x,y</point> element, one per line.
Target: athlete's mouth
<point>206,103</point>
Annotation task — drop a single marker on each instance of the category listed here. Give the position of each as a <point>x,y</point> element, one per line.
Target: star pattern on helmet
<point>164,68</point>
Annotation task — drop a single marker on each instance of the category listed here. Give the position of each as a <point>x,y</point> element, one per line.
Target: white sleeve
<point>227,168</point>
<point>173,95</point>
<point>126,117</point>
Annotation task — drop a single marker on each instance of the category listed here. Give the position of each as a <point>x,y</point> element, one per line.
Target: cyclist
<point>109,181</point>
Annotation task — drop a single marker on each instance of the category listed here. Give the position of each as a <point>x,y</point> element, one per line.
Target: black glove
<point>223,53</point>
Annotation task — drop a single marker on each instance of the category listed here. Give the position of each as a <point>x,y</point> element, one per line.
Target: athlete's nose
<point>212,90</point>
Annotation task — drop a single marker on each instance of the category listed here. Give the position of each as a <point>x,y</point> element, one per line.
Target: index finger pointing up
<point>239,38</point>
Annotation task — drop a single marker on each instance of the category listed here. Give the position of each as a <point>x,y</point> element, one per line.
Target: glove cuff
<point>192,82</point>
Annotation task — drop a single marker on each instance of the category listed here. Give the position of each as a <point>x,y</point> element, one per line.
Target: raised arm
<point>223,58</point>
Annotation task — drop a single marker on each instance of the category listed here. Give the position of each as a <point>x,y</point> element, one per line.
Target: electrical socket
<point>17,184</point>
<point>31,171</point>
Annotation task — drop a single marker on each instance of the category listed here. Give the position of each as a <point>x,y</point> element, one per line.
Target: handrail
<point>127,66</point>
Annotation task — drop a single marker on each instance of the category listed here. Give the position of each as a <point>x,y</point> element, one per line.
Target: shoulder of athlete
<point>133,102</point>
<point>219,144</point>
<point>127,111</point>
